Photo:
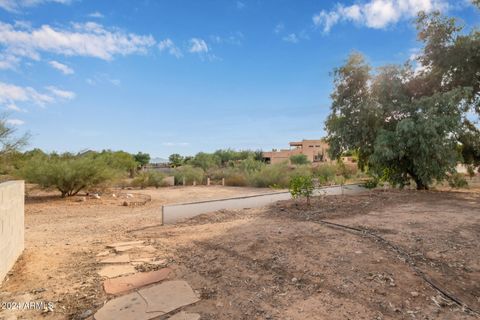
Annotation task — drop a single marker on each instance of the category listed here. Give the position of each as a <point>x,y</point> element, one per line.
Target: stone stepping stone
<point>123,248</point>
<point>116,270</point>
<point>168,296</point>
<point>123,284</point>
<point>128,307</point>
<point>147,249</point>
<point>123,258</point>
<point>142,260</point>
<point>125,243</point>
<point>103,253</point>
<point>149,303</point>
<point>185,316</point>
<point>137,262</point>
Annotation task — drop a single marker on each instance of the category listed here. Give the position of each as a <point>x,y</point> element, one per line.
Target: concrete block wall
<point>12,226</point>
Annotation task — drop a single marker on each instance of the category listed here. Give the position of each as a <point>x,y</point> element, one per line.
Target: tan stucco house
<point>315,150</point>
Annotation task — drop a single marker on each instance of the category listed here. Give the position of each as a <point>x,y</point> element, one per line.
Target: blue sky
<point>169,77</point>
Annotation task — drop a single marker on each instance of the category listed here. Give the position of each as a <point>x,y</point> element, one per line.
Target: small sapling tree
<point>301,186</point>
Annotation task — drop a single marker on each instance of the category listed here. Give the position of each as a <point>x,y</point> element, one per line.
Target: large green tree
<point>66,172</point>
<point>142,159</point>
<point>175,160</point>
<point>407,123</point>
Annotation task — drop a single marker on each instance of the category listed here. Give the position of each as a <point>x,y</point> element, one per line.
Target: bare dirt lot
<point>274,263</point>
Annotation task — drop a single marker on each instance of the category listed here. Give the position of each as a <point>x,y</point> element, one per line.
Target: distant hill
<point>158,160</point>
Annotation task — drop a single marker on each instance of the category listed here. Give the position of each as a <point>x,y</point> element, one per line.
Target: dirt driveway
<point>273,263</point>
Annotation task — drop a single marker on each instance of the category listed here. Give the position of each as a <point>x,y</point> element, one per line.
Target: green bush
<point>301,170</point>
<point>149,179</point>
<point>457,180</point>
<point>371,183</point>
<point>205,161</point>
<point>236,179</point>
<point>271,175</point>
<point>189,173</point>
<point>249,165</point>
<point>68,173</point>
<point>121,161</point>
<point>345,171</point>
<point>299,159</point>
<point>340,180</point>
<point>325,173</point>
<point>301,186</point>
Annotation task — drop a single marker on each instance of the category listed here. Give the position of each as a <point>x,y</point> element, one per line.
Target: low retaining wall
<point>175,212</point>
<point>12,198</point>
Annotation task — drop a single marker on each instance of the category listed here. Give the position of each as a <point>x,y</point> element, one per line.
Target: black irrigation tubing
<point>409,261</point>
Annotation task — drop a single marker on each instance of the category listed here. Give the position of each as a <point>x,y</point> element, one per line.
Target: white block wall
<point>12,198</point>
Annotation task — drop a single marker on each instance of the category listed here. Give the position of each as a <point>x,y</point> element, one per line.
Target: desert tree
<point>142,159</point>
<point>407,123</point>
<point>68,173</point>
<point>175,160</point>
<point>9,140</point>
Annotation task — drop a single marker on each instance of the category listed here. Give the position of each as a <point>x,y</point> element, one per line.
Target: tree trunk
<point>418,181</point>
<point>420,184</point>
<point>74,192</point>
<point>64,193</point>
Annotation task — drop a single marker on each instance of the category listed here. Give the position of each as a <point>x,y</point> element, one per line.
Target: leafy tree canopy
<point>142,158</point>
<point>405,123</point>
<point>175,160</point>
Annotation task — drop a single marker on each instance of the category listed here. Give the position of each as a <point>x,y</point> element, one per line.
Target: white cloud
<point>198,46</point>
<point>169,46</point>
<point>15,122</point>
<point>89,39</point>
<point>279,28</point>
<point>235,38</point>
<point>11,94</point>
<point>352,12</point>
<point>326,19</point>
<point>292,38</point>
<point>240,5</point>
<point>17,5</point>
<point>8,61</point>
<point>96,14</point>
<point>22,24</point>
<point>376,14</point>
<point>68,95</point>
<point>62,67</point>
<point>14,107</point>
<point>100,78</point>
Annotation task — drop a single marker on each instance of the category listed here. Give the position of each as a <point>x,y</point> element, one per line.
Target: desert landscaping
<point>278,262</point>
<point>239,160</point>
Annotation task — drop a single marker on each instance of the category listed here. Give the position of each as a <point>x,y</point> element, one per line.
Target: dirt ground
<point>279,262</point>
